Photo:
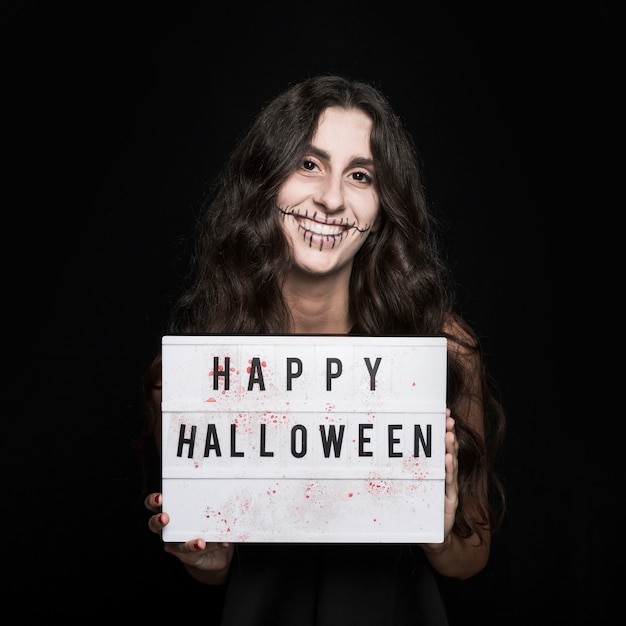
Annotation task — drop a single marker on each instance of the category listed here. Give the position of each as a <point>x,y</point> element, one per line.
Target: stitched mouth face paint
<point>318,230</point>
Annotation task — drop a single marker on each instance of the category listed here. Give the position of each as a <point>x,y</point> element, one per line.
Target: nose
<point>330,193</point>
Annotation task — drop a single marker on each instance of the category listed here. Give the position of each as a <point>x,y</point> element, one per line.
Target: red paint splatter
<point>350,495</point>
<point>211,400</point>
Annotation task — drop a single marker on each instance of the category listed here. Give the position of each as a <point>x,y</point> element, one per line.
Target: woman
<point>319,225</point>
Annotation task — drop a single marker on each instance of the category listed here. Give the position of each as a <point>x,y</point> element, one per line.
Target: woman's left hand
<point>451,498</point>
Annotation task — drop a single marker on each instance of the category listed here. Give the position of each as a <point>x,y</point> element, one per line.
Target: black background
<point>116,118</point>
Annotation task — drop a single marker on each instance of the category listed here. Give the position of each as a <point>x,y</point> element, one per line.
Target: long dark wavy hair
<point>399,283</point>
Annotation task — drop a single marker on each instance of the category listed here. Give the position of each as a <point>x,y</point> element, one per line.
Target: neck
<point>318,306</point>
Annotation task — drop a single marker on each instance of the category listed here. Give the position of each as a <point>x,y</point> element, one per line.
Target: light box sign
<point>302,438</point>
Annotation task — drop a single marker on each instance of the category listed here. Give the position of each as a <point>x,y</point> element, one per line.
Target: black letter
<point>290,373</point>
<point>330,375</point>
<point>256,374</point>
<point>233,445</point>
<point>420,437</point>
<point>212,442</point>
<point>182,441</point>
<point>393,440</point>
<point>372,371</point>
<point>225,373</point>
<point>332,439</point>
<point>363,439</point>
<point>263,452</point>
<point>302,452</point>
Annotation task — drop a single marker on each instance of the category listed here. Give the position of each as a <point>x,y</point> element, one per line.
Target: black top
<point>331,585</point>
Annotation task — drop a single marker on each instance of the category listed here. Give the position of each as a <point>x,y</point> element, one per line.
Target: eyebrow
<point>325,156</point>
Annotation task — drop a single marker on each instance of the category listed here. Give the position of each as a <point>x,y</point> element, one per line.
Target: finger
<point>187,547</point>
<point>153,502</point>
<point>451,489</point>
<point>196,546</point>
<point>158,522</point>
<point>450,424</point>
<point>452,443</point>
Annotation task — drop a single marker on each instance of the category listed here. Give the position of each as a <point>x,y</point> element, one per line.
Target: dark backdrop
<point>119,114</point>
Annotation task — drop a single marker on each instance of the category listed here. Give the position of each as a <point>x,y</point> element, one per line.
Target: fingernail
<point>160,518</point>
<point>197,546</point>
<point>157,498</point>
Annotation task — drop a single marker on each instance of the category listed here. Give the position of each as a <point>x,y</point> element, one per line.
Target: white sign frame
<point>307,438</point>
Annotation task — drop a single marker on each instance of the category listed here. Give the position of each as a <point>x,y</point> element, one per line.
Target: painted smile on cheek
<point>319,228</point>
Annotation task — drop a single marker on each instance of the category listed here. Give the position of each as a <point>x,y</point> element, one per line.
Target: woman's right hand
<point>206,562</point>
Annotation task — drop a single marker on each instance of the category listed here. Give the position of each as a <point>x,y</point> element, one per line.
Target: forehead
<point>344,130</point>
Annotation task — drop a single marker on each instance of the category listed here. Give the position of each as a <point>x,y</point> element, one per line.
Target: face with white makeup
<point>330,203</point>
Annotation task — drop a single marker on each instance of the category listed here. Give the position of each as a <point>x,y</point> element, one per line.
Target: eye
<point>362,177</point>
<point>309,165</point>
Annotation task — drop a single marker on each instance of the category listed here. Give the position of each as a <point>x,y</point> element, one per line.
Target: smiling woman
<point>320,226</point>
